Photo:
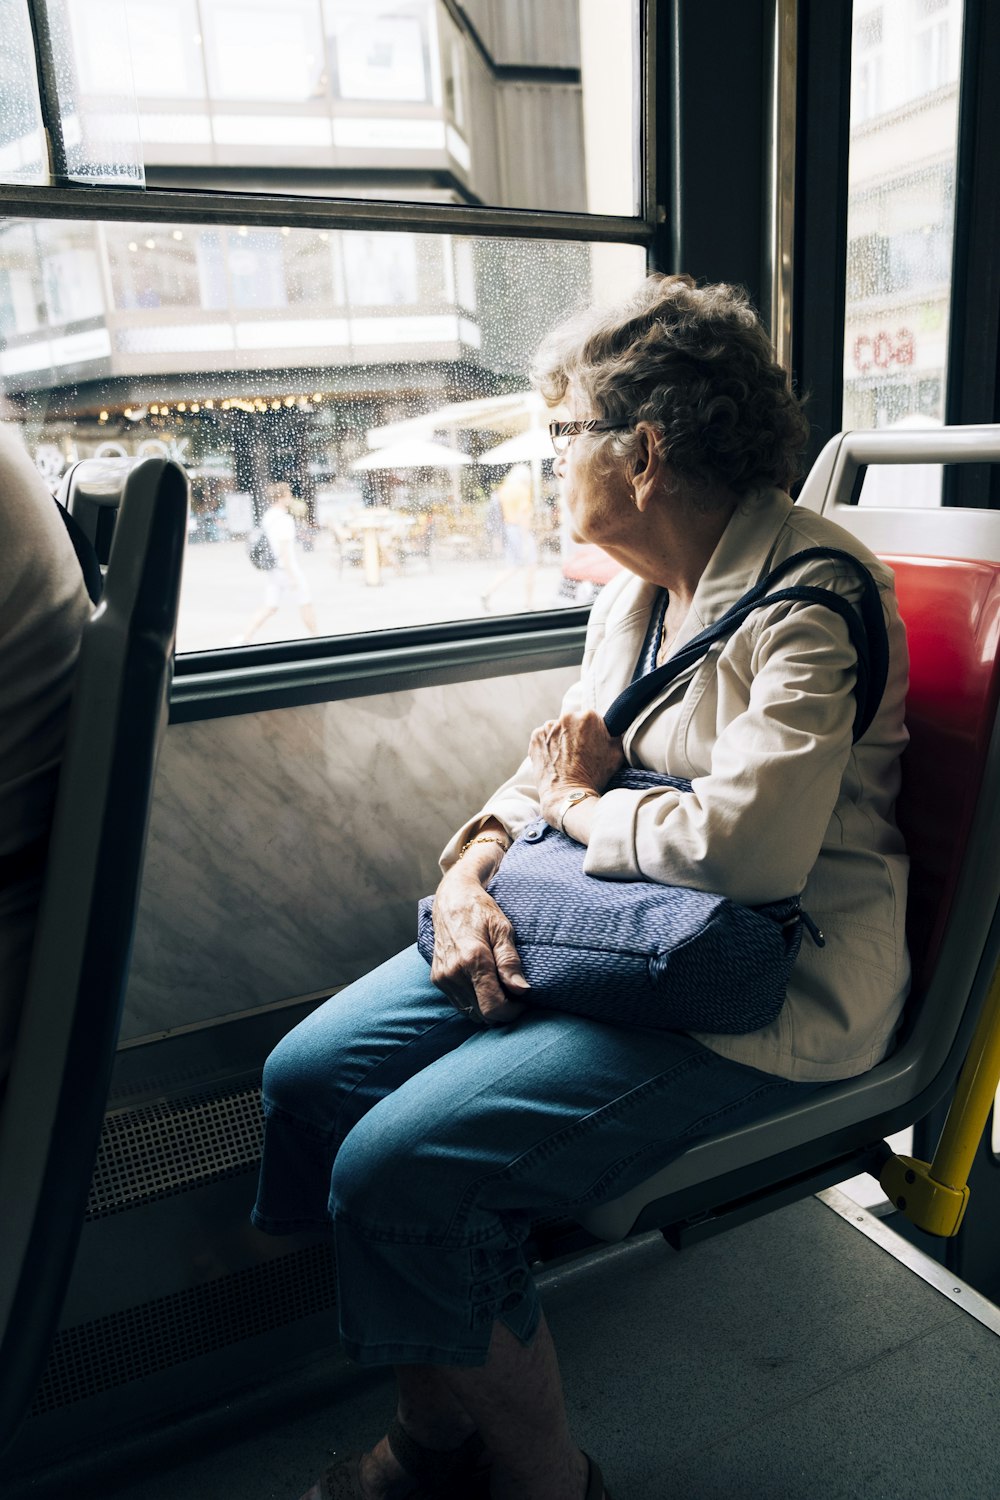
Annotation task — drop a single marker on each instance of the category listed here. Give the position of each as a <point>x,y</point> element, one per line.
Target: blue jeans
<point>431,1144</point>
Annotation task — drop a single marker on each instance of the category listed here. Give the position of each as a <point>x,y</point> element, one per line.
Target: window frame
<point>709,201</point>
<point>238,680</point>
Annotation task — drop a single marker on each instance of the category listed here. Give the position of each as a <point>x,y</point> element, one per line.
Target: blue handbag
<point>641,953</point>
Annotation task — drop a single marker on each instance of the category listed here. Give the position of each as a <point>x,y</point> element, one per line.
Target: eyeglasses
<point>561,432</point>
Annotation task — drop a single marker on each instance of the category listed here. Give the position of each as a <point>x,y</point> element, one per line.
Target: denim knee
<point>279,1084</point>
<point>384,1184</point>
<point>297,1079</point>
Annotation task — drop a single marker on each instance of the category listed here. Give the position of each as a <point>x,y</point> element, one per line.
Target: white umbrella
<point>413,454</point>
<point>488,413</point>
<point>520,449</point>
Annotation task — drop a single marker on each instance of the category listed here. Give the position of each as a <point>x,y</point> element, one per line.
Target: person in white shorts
<point>287,581</point>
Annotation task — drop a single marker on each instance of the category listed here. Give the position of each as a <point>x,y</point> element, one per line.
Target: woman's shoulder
<point>620,601</point>
<point>804,529</point>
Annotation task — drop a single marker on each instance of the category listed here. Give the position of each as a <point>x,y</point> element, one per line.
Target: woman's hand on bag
<point>475,962</point>
<point>572,753</point>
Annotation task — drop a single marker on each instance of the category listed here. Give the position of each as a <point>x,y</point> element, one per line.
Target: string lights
<point>252,405</point>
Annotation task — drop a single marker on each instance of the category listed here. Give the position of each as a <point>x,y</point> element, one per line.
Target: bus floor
<point>792,1358</point>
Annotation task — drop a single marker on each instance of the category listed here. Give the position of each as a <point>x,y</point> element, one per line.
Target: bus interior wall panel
<point>254,815</point>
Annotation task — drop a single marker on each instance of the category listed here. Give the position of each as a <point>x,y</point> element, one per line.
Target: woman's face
<point>595,493</point>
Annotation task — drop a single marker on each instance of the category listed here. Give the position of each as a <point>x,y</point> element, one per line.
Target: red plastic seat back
<point>952,613</point>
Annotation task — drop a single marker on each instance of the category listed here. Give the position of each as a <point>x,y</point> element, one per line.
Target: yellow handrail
<point>934,1195</point>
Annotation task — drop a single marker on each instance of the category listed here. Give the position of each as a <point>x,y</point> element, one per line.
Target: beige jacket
<point>781,800</point>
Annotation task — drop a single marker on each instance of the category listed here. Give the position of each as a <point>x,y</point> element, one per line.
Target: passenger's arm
<point>514,804</point>
<point>475,960</point>
<point>573,755</point>
<point>474,953</point>
<point>752,828</point>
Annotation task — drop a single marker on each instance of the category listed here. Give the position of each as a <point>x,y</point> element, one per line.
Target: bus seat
<point>952,612</point>
<point>947,565</point>
<point>54,1104</point>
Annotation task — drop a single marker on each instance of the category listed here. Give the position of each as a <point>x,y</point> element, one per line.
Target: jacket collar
<point>741,557</point>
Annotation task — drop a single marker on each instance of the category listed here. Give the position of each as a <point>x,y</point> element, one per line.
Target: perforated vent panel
<point>130,1345</point>
<point>171,1146</point>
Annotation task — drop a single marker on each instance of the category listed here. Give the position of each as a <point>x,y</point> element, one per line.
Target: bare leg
<point>264,613</point>
<point>429,1409</point>
<point>516,1402</point>
<point>498,583</point>
<point>308,614</point>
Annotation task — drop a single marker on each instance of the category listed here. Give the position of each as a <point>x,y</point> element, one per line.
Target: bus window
<point>361,397</point>
<point>901,211</point>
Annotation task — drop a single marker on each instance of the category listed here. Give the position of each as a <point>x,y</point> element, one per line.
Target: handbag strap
<point>865,626</point>
<point>86,556</point>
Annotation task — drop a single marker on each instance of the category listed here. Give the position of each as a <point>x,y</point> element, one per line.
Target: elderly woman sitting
<point>431,1114</point>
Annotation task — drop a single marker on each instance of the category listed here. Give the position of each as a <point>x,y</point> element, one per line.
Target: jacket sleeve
<point>517,803</point>
<point>752,828</point>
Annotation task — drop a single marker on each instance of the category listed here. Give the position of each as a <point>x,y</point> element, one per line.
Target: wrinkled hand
<point>570,753</point>
<point>475,962</point>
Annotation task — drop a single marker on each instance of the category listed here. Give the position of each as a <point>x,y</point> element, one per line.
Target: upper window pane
<point>80,50</point>
<point>526,105</point>
<point>901,214</point>
<point>360,399</point>
<point>22,146</point>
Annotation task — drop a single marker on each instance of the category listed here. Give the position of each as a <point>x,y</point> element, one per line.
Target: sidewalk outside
<point>222,591</point>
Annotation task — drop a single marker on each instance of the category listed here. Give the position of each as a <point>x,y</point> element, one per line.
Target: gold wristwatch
<point>571,801</point>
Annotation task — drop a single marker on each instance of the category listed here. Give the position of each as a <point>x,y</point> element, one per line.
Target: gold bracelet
<point>484,838</point>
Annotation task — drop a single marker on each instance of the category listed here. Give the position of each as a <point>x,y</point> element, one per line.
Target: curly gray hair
<point>696,363</point>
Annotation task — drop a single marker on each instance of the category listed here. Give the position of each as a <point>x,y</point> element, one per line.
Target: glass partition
<point>353,409</point>
<point>22,144</point>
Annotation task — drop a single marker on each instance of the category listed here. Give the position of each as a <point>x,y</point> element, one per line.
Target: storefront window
<point>71,274</point>
<point>256,268</point>
<point>380,53</point>
<point>314,271</point>
<point>380,268</point>
<point>263,51</point>
<point>152,265</point>
<point>22,298</point>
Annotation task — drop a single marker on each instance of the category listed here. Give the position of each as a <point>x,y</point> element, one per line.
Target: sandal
<point>595,1482</point>
<point>441,1475</point>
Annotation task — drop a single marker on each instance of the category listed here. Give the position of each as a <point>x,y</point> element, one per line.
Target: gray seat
<point>955,878</point>
<point>51,1117</point>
